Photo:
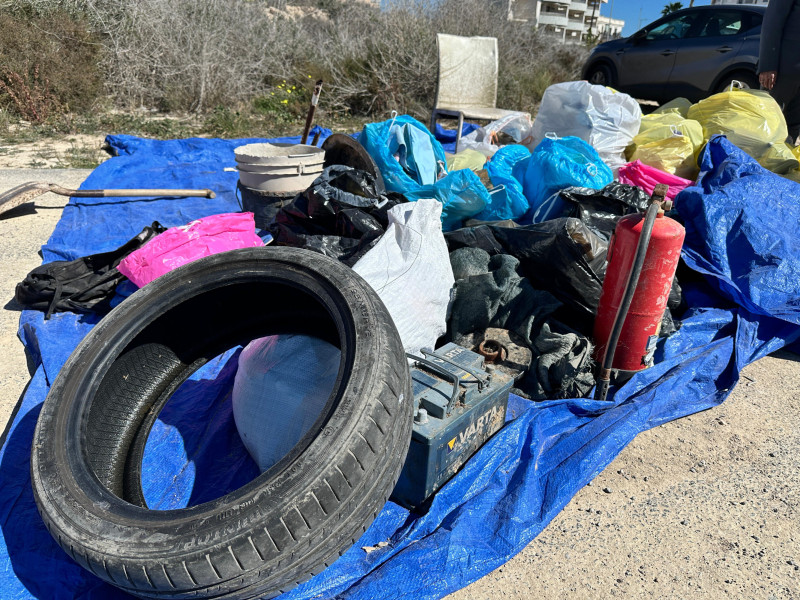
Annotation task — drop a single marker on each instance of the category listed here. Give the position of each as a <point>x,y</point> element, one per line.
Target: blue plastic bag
<point>415,151</point>
<point>507,168</point>
<point>461,193</point>
<point>559,163</point>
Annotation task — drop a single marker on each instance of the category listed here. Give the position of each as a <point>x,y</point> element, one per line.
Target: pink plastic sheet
<point>647,177</point>
<point>180,245</point>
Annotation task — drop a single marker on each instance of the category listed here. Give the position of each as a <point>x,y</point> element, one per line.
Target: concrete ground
<point>704,507</point>
<point>23,230</point>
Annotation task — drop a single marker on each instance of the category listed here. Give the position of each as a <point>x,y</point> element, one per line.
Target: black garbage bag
<point>489,292</point>
<point>341,215</point>
<point>561,256</point>
<point>601,209</point>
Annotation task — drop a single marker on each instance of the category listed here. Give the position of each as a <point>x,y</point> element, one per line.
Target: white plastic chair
<point>467,84</point>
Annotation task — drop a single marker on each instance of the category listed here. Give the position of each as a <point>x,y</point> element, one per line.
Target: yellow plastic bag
<point>678,106</point>
<point>753,121</point>
<point>794,174</point>
<point>668,142</point>
<point>466,159</point>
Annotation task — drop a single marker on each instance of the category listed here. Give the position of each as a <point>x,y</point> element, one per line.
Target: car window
<point>752,20</point>
<point>673,29</point>
<point>722,23</point>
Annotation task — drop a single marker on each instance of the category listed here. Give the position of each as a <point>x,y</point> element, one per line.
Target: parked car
<point>692,53</point>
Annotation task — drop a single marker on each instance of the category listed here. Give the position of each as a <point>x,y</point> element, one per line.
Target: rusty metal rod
<point>311,110</point>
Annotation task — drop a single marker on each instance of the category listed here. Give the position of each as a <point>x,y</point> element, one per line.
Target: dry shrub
<point>31,97</point>
<point>183,54</point>
<point>199,55</point>
<point>383,60</point>
<point>49,64</point>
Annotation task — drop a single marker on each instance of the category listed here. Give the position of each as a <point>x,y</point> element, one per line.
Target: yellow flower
<point>294,87</point>
<point>288,91</point>
<point>284,102</point>
<point>309,76</point>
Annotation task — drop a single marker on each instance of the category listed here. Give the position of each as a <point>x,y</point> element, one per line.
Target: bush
<point>198,55</point>
<point>382,60</point>
<point>49,64</point>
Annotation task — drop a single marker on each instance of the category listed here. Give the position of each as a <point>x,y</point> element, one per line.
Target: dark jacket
<point>781,26</point>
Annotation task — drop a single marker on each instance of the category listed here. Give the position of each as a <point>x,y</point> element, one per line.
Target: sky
<point>631,11</point>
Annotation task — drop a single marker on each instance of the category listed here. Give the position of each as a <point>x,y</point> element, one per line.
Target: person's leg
<point>787,92</point>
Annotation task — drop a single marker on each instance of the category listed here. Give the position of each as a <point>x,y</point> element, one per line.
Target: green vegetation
<point>671,8</point>
<point>241,68</point>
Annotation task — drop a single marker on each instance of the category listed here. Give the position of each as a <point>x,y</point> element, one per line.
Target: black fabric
<point>489,292</point>
<point>341,215</point>
<point>562,365</point>
<point>780,32</point>
<point>83,285</point>
<point>560,256</point>
<point>787,91</point>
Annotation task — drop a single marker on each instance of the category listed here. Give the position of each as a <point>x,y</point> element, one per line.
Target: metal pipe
<point>137,193</point>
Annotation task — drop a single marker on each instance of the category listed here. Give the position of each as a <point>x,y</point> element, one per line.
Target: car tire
<point>601,74</point>
<point>286,525</point>
<point>749,81</point>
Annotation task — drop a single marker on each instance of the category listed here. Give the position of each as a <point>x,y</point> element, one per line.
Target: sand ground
<point>704,507</point>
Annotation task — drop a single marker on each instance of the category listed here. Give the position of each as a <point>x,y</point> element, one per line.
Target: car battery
<point>459,404</point>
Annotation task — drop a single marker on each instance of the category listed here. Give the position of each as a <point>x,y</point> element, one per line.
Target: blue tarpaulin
<point>508,492</point>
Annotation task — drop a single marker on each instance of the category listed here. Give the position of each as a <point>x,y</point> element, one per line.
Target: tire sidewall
<point>90,514</point>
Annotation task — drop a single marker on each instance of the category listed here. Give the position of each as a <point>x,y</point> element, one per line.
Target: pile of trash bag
<point>507,235</point>
<point>412,163</point>
<point>518,239</point>
<point>671,138</point>
<point>751,120</point>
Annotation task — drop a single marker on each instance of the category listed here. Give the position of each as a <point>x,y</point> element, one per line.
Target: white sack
<point>606,119</point>
<point>280,389</point>
<point>410,270</point>
<point>284,381</point>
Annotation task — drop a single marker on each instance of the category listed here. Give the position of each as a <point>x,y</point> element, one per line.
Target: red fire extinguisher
<point>642,257</point>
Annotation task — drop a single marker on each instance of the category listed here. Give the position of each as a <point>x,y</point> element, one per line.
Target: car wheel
<point>287,524</point>
<point>749,81</point>
<point>600,74</point>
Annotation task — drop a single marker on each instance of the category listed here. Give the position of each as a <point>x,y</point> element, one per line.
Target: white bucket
<point>279,168</point>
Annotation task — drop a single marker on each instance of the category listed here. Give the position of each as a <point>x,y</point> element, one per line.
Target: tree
<point>671,8</point>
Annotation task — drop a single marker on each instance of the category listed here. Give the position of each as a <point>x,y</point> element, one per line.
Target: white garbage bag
<point>606,119</point>
<point>282,385</point>
<point>516,125</point>
<point>410,270</point>
<point>284,381</point>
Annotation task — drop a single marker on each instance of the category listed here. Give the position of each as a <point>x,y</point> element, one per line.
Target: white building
<point>572,21</point>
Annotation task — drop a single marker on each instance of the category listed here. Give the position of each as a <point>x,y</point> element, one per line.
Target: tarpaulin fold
<point>511,489</point>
